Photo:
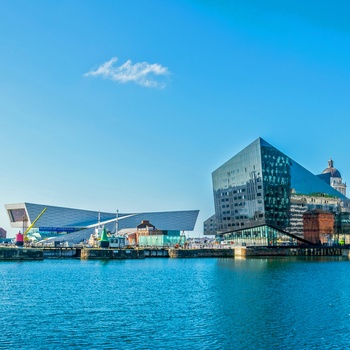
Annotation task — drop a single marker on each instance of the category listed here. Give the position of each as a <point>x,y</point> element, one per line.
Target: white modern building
<point>76,225</point>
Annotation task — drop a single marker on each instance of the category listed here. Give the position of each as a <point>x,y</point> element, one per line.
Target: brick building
<point>318,226</point>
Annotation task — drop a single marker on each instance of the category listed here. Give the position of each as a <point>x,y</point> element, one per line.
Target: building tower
<point>333,177</point>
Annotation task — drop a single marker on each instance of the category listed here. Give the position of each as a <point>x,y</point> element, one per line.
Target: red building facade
<point>318,226</point>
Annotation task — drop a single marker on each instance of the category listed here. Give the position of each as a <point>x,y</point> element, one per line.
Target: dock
<point>111,254</point>
<point>87,253</point>
<point>14,253</point>
<point>202,253</point>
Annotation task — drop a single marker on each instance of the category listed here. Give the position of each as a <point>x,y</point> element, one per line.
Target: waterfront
<point>265,303</point>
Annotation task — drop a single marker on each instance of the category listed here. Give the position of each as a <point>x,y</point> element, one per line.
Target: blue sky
<point>131,105</point>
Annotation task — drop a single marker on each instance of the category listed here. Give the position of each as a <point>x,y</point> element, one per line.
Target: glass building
<point>261,194</point>
<point>166,239</point>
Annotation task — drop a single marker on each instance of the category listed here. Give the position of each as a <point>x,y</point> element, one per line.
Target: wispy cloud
<point>142,73</point>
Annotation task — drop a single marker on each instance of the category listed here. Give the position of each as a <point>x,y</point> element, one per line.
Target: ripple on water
<point>174,303</point>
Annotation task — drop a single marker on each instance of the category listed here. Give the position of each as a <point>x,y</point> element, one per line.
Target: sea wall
<point>156,252</point>
<point>91,253</point>
<point>9,253</point>
<point>246,252</point>
<point>57,253</point>
<point>15,253</point>
<point>293,251</point>
<point>201,253</point>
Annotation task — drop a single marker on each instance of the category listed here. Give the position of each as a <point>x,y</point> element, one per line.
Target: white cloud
<point>141,73</point>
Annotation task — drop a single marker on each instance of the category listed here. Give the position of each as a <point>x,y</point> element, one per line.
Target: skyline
<point>132,106</point>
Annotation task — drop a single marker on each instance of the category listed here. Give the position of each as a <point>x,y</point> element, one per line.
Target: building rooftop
<point>333,171</point>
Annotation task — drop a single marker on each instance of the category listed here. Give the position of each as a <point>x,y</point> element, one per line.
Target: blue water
<point>277,303</point>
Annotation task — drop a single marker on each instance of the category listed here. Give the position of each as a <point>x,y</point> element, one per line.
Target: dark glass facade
<point>261,186</point>
<point>276,170</point>
<point>238,191</point>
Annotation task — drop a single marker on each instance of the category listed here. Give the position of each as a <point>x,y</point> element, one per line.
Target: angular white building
<point>76,225</point>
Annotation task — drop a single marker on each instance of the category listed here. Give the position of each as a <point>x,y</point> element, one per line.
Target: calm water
<point>282,303</point>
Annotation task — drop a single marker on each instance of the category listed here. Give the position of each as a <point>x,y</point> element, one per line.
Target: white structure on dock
<point>76,225</point>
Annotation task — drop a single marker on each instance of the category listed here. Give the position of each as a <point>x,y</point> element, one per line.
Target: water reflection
<point>265,303</point>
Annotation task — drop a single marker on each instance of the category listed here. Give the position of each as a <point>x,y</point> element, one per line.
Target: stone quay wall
<point>201,253</point>
<point>8,253</point>
<point>89,253</point>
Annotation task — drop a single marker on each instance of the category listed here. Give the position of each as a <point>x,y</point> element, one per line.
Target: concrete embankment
<point>293,251</point>
<point>12,253</point>
<point>61,252</point>
<point>91,253</point>
<point>156,252</point>
<point>246,252</point>
<point>201,253</point>
<point>15,253</point>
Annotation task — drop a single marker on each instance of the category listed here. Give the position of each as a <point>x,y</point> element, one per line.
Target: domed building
<point>332,177</point>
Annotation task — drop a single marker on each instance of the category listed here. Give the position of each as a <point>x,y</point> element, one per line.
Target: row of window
<point>231,172</point>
